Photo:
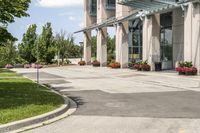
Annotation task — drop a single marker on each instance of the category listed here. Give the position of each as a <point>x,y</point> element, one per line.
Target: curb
<point>71,110</point>
<point>37,119</point>
<point>41,120</point>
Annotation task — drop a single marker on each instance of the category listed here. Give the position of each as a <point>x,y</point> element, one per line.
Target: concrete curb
<point>65,110</point>
<point>70,111</point>
<point>37,119</point>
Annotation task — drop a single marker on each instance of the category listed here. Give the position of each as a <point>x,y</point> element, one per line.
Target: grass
<point>7,73</point>
<point>20,98</point>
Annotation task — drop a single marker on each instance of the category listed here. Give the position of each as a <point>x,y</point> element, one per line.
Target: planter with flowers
<point>142,66</point>
<point>27,66</point>
<point>115,65</point>
<point>9,66</point>
<point>82,63</point>
<point>39,66</point>
<point>96,63</point>
<point>186,68</point>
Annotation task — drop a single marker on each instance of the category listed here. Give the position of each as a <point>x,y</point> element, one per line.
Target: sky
<point>64,15</point>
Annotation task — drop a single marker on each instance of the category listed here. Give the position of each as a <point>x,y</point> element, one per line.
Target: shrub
<point>27,66</point>
<point>115,65</point>
<point>82,63</point>
<point>142,66</point>
<point>96,63</point>
<point>186,68</point>
<point>39,66</point>
<point>9,66</point>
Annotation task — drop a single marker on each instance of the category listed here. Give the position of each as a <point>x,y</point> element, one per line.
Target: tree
<point>28,44</point>
<point>65,47</point>
<point>9,9</point>
<point>94,46</point>
<point>111,48</point>
<point>7,54</point>
<point>46,45</point>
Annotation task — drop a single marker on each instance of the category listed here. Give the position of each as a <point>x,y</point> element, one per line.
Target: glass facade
<point>93,7</point>
<point>166,45</point>
<point>110,4</point>
<point>135,44</point>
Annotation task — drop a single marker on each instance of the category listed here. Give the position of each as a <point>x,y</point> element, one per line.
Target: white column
<point>192,34</point>
<point>87,47</point>
<point>122,44</point>
<point>102,46</point>
<point>151,39</point>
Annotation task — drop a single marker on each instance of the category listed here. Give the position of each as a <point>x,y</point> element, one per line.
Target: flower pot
<point>96,63</point>
<point>81,63</point>
<point>115,65</point>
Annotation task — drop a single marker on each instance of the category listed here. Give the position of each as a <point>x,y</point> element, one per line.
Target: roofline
<point>139,14</point>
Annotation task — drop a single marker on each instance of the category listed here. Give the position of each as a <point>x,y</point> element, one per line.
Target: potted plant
<point>96,63</point>
<point>145,67</point>
<point>81,63</point>
<point>9,66</point>
<point>142,66</point>
<point>115,65</point>
<point>27,66</point>
<point>39,66</point>
<point>186,68</point>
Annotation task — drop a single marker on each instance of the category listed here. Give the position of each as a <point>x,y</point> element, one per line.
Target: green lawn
<point>7,73</point>
<point>20,98</point>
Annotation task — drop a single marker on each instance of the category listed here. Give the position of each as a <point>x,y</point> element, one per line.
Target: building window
<point>166,45</point>
<point>93,7</point>
<point>135,43</point>
<point>110,4</point>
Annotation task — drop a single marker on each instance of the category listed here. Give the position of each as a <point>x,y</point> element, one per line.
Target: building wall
<point>122,36</point>
<point>178,35</point>
<point>102,12</point>
<point>88,18</point>
<point>192,34</point>
<point>151,39</point>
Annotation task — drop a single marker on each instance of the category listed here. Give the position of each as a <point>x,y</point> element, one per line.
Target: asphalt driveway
<point>105,98</point>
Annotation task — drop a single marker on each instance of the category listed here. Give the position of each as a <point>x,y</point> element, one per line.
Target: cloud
<point>58,3</point>
<point>81,24</point>
<point>72,18</point>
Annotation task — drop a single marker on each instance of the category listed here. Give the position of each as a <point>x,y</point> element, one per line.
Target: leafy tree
<point>9,9</point>
<point>28,44</point>
<point>111,47</point>
<point>94,46</point>
<point>46,45</point>
<point>65,47</point>
<point>7,54</point>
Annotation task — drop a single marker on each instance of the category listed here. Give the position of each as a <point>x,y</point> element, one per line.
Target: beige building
<point>165,31</point>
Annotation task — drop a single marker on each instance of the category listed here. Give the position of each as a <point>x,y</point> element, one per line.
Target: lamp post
<point>81,49</point>
<point>37,65</point>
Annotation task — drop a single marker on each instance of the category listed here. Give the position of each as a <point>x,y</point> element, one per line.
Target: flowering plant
<point>96,63</point>
<point>142,66</point>
<point>81,63</point>
<point>186,68</point>
<point>115,65</point>
<point>9,66</point>
<point>27,66</point>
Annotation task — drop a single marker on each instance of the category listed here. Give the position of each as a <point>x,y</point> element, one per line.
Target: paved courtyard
<point>123,101</point>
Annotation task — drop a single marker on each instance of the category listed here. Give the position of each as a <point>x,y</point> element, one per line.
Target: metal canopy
<point>149,5</point>
<point>144,8</point>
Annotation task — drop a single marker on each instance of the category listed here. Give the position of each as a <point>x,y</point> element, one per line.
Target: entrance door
<point>166,48</point>
<point>135,44</point>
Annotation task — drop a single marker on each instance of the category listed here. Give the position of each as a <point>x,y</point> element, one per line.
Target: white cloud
<point>59,3</point>
<point>72,18</point>
<point>81,24</point>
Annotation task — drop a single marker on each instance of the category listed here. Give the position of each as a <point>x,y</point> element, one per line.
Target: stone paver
<point>124,101</point>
